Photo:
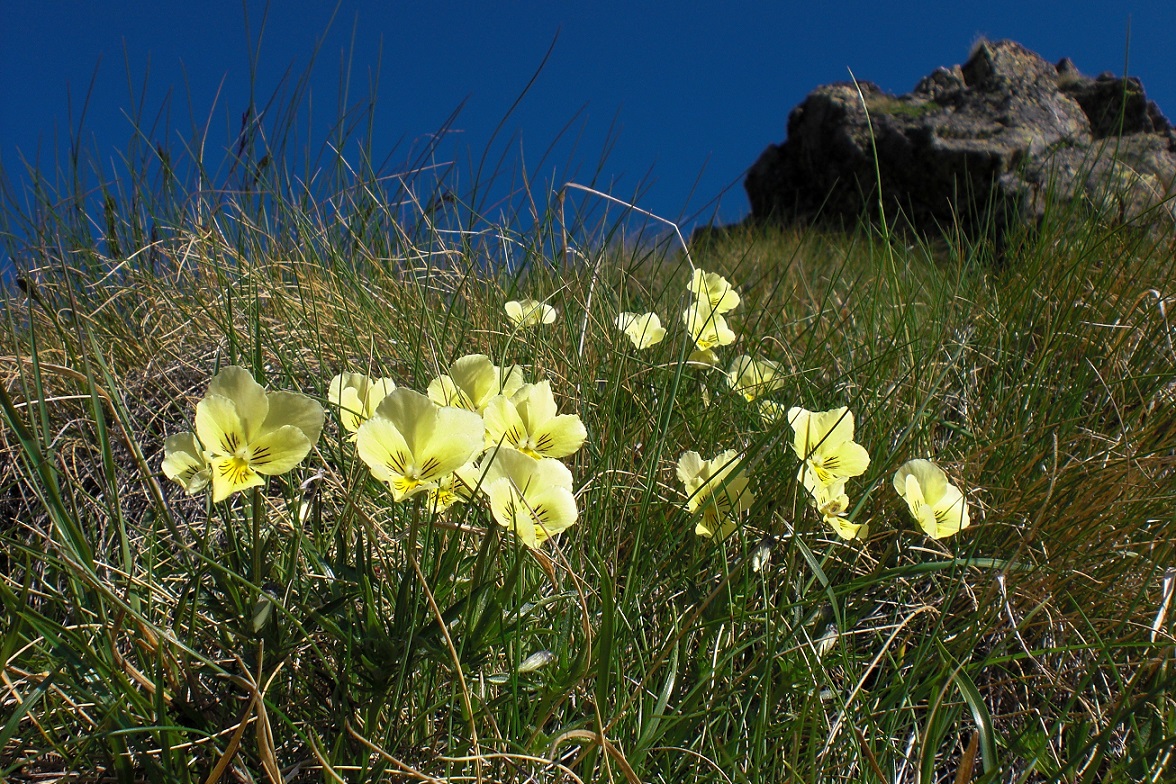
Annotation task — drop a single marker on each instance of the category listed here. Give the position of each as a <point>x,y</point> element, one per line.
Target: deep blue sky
<point>684,95</point>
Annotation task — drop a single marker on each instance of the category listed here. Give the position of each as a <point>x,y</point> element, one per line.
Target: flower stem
<point>258,517</point>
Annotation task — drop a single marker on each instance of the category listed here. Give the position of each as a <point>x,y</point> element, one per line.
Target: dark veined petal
<point>184,462</point>
<point>219,427</point>
<point>232,474</point>
<point>383,448</point>
<point>277,451</point>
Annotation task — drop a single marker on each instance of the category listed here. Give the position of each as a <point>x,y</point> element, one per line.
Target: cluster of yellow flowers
<point>718,488</point>
<point>480,430</point>
<point>822,440</point>
<point>704,318</point>
<point>829,456</point>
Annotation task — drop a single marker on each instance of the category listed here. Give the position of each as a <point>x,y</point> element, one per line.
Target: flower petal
<point>848,459</point>
<point>382,447</point>
<point>232,474</point>
<point>351,409</point>
<point>753,377</point>
<point>444,391</point>
<point>690,465</point>
<point>413,414</point>
<point>533,498</point>
<point>931,479</point>
<point>184,462</point>
<point>378,389</point>
<point>249,398</point>
<point>457,437</point>
<point>845,529</point>
<point>707,328</point>
<point>277,451</point>
<point>503,423</point>
<point>560,436</point>
<point>477,376</point>
<point>951,513</point>
<point>643,330</point>
<point>529,312</point>
<point>218,426</point>
<point>294,409</point>
<point>535,404</point>
<point>715,290</point>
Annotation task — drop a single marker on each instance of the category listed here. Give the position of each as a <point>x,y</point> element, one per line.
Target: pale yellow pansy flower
<point>937,505</point>
<point>248,433</point>
<point>533,498</point>
<point>449,490</point>
<point>707,328</point>
<point>771,412</point>
<point>706,358</point>
<point>411,444</point>
<point>832,503</point>
<point>715,290</point>
<point>184,462</point>
<point>753,377</point>
<point>718,487</point>
<point>643,329</point>
<point>356,397</point>
<point>529,312</point>
<point>530,422</point>
<point>824,441</point>
<point>472,381</point>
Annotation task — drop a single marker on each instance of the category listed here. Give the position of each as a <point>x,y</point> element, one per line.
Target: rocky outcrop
<point>975,145</point>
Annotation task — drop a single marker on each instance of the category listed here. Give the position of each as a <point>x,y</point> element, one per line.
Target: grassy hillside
<point>315,629</point>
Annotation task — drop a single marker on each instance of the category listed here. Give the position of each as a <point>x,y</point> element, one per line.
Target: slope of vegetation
<point>316,630</point>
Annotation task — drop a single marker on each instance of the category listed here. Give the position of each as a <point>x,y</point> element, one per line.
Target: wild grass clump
<point>848,510</point>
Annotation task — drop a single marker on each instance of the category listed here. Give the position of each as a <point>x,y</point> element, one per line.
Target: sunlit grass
<point>320,630</point>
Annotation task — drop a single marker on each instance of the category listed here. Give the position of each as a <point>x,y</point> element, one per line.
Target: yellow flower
<point>937,505</point>
<point>449,490</point>
<point>357,396</point>
<point>531,497</point>
<point>718,487</point>
<point>529,312</point>
<point>412,444</point>
<point>753,377</point>
<point>824,441</point>
<point>184,462</point>
<point>714,290</point>
<point>707,358</point>
<point>771,412</point>
<point>643,329</point>
<point>832,503</point>
<point>472,381</point>
<point>529,422</point>
<point>706,327</point>
<point>248,432</point>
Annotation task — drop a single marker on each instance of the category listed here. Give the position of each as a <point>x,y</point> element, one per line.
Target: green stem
<point>258,517</point>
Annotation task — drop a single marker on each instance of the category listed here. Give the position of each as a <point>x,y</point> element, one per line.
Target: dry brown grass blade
<point>968,760</point>
<point>404,767</point>
<point>871,760</point>
<point>230,751</point>
<point>605,744</point>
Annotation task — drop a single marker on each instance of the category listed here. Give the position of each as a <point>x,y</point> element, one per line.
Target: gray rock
<point>975,145</point>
